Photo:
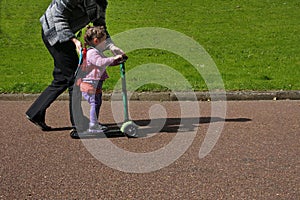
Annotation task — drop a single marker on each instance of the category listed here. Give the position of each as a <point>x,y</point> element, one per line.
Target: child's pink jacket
<point>96,65</point>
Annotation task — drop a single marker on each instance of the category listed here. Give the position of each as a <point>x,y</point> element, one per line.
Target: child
<point>95,73</point>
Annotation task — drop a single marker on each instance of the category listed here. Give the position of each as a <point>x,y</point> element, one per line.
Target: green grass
<point>255,44</point>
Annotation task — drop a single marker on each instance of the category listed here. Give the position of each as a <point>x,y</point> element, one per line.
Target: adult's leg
<point>65,64</point>
<point>38,108</point>
<point>59,84</point>
<point>98,99</point>
<point>78,120</point>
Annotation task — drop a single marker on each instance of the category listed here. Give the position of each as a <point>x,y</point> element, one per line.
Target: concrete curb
<point>169,96</point>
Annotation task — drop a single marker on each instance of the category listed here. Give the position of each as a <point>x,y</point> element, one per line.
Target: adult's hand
<point>116,50</point>
<point>77,44</point>
<point>113,48</point>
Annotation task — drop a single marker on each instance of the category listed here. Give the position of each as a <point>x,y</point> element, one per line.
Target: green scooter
<point>129,128</point>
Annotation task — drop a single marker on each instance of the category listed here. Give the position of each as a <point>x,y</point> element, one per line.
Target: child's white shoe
<point>95,128</point>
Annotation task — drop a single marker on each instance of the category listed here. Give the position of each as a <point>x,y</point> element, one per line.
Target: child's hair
<point>94,32</point>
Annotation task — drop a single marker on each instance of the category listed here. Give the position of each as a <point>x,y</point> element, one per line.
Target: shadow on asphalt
<point>60,129</point>
<point>169,125</point>
<point>174,125</point>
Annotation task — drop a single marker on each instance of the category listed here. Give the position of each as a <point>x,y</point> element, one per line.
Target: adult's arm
<point>61,18</point>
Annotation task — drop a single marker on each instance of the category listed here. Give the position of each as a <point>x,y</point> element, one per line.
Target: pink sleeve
<point>96,59</point>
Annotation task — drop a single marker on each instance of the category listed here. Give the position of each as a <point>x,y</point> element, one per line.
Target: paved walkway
<point>256,156</point>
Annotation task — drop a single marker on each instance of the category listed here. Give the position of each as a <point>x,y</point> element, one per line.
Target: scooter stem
<point>124,92</point>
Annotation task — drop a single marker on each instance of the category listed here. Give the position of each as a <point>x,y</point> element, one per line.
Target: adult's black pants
<point>65,64</point>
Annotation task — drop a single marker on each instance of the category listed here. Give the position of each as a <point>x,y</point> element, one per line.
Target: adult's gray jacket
<point>63,18</point>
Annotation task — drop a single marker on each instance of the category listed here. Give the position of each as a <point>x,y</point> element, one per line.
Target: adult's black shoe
<point>42,125</point>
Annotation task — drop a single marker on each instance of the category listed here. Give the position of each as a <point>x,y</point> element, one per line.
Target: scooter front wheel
<point>130,129</point>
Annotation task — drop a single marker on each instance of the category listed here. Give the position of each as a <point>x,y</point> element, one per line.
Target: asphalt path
<point>256,155</point>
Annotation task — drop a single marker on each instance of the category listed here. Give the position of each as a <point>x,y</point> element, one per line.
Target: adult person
<point>60,22</point>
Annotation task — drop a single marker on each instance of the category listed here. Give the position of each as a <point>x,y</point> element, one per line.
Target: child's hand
<point>124,57</point>
<point>118,57</point>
